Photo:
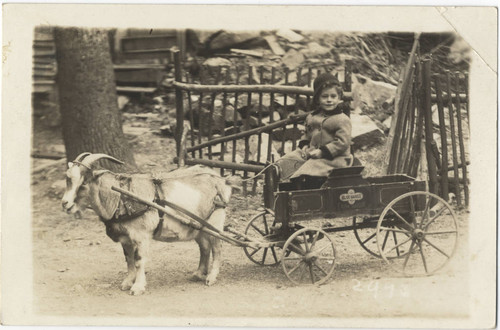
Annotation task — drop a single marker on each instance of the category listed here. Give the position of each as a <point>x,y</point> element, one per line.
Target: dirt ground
<point>78,269</point>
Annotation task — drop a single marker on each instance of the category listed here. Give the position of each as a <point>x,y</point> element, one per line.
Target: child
<point>327,139</point>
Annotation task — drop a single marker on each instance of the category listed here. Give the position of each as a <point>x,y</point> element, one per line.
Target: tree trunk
<point>90,117</point>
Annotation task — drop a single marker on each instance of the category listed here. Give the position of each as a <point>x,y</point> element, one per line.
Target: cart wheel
<point>308,257</point>
<point>424,233</point>
<point>366,237</point>
<point>259,227</point>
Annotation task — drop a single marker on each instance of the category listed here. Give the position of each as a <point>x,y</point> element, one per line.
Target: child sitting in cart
<point>326,143</point>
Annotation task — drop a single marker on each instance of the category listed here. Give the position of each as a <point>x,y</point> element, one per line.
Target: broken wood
<point>461,141</point>
<point>444,141</point>
<point>258,130</point>
<point>453,141</point>
<point>246,88</point>
<point>431,161</point>
<point>248,52</point>
<point>274,45</point>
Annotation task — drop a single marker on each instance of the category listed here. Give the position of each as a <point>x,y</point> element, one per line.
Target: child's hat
<point>325,78</point>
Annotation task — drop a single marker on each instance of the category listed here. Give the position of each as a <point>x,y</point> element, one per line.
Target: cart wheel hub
<point>418,234</point>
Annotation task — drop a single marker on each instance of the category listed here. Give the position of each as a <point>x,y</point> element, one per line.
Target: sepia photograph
<point>257,166</point>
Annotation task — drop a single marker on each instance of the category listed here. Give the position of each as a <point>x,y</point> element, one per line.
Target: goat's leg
<point>129,252</point>
<point>204,245</point>
<point>217,219</point>
<point>216,261</point>
<point>140,256</point>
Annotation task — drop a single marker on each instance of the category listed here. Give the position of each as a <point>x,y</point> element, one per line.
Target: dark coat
<point>331,134</point>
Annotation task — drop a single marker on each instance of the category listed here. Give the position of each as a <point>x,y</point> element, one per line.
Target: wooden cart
<point>393,218</point>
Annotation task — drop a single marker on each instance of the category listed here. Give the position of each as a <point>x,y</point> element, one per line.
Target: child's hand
<point>315,154</point>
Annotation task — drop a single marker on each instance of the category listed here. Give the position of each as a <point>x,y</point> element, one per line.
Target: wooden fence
<point>255,130</point>
<point>412,139</point>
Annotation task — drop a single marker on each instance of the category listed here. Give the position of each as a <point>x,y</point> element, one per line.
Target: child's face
<point>329,99</point>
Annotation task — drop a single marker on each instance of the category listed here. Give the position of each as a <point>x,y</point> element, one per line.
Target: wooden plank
<point>133,89</point>
<point>402,86</point>
<point>179,105</point>
<point>262,129</point>
<point>274,45</point>
<point>248,52</point>
<point>453,141</point>
<point>246,88</point>
<point>138,66</point>
<point>228,165</point>
<point>444,141</point>
<point>431,161</point>
<point>461,140</point>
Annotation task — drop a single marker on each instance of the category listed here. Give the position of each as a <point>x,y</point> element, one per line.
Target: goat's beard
<point>82,202</point>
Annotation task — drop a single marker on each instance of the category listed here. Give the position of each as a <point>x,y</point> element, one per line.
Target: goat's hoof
<point>197,276</point>
<point>135,291</point>
<point>126,286</point>
<point>210,280</point>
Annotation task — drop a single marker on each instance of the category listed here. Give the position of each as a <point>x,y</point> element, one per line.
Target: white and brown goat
<point>197,189</point>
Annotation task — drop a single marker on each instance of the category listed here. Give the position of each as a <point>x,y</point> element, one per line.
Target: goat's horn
<point>81,156</point>
<point>95,157</point>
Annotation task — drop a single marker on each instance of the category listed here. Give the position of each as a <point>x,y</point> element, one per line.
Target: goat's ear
<point>70,164</point>
<point>104,200</point>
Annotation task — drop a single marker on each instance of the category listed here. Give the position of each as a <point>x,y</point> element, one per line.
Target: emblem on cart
<point>351,196</point>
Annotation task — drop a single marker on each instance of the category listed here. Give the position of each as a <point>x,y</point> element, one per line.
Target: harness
<point>129,209</point>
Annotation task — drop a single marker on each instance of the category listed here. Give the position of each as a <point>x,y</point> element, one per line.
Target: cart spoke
<point>266,227</point>
<point>321,249</point>
<point>312,273</point>
<point>370,237</point>
<point>385,240</point>
<point>426,211</point>
<point>397,245</point>
<point>293,258</point>
<point>296,267</point>
<point>305,242</point>
<point>326,258</point>
<point>394,230</point>
<point>435,217</point>
<point>423,257</point>
<point>258,230</point>
<point>255,251</point>
<point>314,240</point>
<point>412,210</point>
<point>264,255</point>
<point>274,254</point>
<point>396,242</point>
<point>400,217</point>
<point>440,232</point>
<point>320,268</point>
<point>408,255</point>
<point>439,250</point>
<point>297,248</point>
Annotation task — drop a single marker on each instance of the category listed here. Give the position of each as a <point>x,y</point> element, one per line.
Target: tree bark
<point>91,121</point>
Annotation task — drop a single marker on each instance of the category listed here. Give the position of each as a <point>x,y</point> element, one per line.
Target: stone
<point>387,122</point>
<point>254,147</point>
<point>370,93</point>
<point>217,61</point>
<point>315,49</point>
<point>289,35</point>
<point>365,133</point>
<point>122,101</point>
<point>293,59</point>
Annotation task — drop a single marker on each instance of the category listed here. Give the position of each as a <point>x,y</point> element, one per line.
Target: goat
<point>198,189</point>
